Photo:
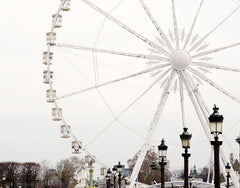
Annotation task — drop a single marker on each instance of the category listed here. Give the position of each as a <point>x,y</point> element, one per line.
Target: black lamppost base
<point>162,164</point>
<point>228,176</point>
<point>216,145</point>
<point>186,155</point>
<point>114,181</point>
<point>119,180</point>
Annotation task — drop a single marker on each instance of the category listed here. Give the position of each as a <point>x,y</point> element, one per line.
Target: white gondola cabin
<point>57,114</point>
<point>47,76</point>
<point>51,38</point>
<point>58,22</point>
<point>89,161</point>
<point>66,5</point>
<point>103,171</point>
<point>64,131</point>
<point>47,57</point>
<point>76,147</point>
<point>51,95</point>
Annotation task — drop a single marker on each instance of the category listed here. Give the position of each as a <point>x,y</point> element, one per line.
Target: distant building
<point>194,173</point>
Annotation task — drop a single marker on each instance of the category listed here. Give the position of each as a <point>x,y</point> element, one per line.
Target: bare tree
<point>30,172</point>
<point>78,164</point>
<point>146,174</point>
<point>67,168</point>
<point>45,173</point>
<point>12,171</point>
<point>65,172</point>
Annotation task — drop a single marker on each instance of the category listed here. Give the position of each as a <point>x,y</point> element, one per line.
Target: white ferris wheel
<point>125,74</point>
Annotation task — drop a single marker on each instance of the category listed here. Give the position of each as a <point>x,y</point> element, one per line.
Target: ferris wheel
<point>138,64</point>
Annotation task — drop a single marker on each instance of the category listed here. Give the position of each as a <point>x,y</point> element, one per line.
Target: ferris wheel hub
<point>180,59</point>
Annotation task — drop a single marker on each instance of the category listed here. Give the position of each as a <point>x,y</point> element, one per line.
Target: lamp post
<point>185,138</point>
<point>119,170</point>
<point>3,180</point>
<point>216,120</point>
<point>228,168</point>
<point>89,161</point>
<point>114,171</point>
<point>108,178</point>
<point>190,178</point>
<point>162,151</point>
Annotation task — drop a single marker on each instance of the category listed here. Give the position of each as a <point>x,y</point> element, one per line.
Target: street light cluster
<point>215,120</point>
<point>117,169</point>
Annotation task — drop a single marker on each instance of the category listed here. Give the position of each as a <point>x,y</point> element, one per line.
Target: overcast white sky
<point>27,132</point>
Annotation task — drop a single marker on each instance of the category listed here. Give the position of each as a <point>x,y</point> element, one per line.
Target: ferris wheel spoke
<point>233,174</point>
<point>201,100</point>
<point>95,67</point>
<point>192,27</point>
<point>114,116</point>
<point>230,146</point>
<point>159,29</point>
<point>196,106</point>
<point>143,56</point>
<point>202,105</point>
<point>131,129</point>
<point>223,161</point>
<point>182,99</point>
<point>237,123</point>
<point>114,81</point>
<point>116,21</point>
<point>208,65</point>
<point>232,127</point>
<point>125,110</point>
<point>204,125</point>
<point>214,29</point>
<point>176,34</point>
<point>104,21</point>
<point>207,52</point>
<point>210,82</point>
<point>151,128</point>
<point>194,87</point>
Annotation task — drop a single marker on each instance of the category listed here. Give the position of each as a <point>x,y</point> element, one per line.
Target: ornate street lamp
<point>119,170</point>
<point>185,138</point>
<point>162,151</point>
<point>228,168</point>
<point>190,178</point>
<point>3,180</point>
<point>114,171</point>
<point>108,178</point>
<point>89,162</point>
<point>216,121</point>
<point>153,165</point>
